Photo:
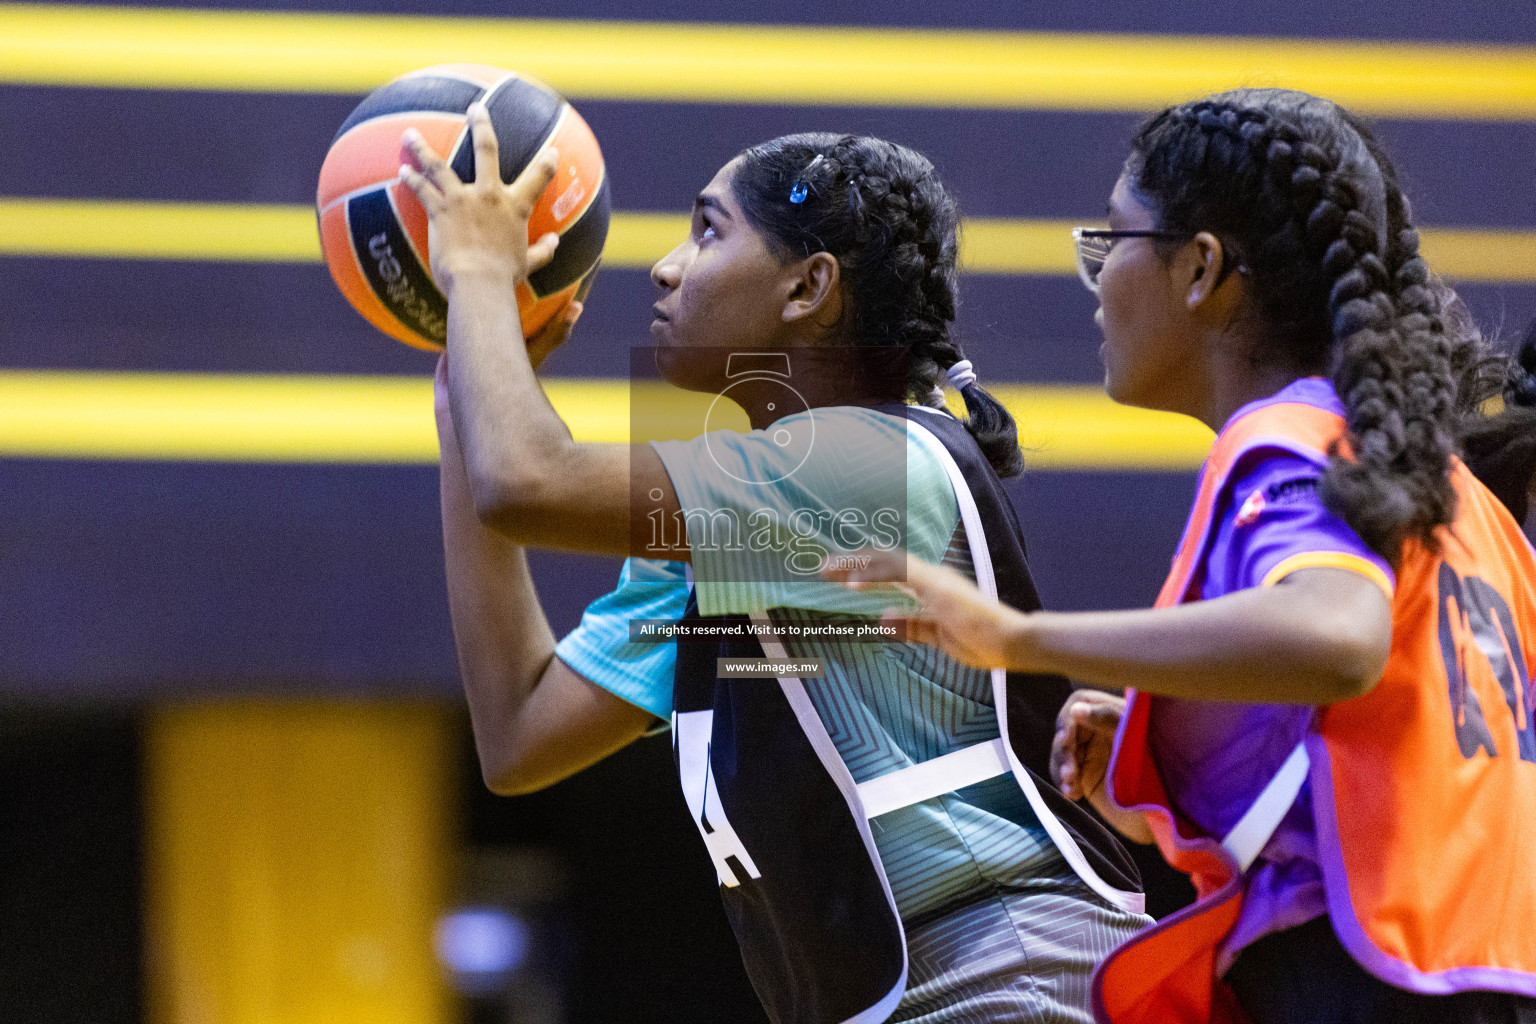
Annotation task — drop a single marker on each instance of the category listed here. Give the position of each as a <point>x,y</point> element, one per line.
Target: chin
<point>692,369</point>
<point>1113,386</point>
<point>1121,391</point>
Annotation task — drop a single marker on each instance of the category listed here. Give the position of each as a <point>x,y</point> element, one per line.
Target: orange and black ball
<point>373,231</point>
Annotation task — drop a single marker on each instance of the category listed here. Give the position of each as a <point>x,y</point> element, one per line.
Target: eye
<point>706,229</point>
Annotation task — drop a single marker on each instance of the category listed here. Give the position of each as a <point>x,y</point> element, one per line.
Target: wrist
<point>480,278</point>
<point>1022,642</point>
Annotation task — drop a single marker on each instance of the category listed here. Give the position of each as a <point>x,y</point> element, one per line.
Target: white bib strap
<point>919,782</point>
<point>826,750</point>
<point>1259,822</point>
<point>986,582</point>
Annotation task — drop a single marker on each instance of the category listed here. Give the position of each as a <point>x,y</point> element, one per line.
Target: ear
<point>814,292</point>
<point>1200,263</point>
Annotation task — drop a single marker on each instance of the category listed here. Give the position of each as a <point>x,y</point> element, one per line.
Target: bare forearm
<point>1283,645</point>
<point>526,476</point>
<point>503,639</point>
<point>510,435</point>
<point>535,720</point>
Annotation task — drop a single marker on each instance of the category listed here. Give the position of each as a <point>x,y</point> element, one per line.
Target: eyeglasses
<point>1094,245</point>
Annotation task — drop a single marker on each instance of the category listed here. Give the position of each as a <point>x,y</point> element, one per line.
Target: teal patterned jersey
<point>886,705</point>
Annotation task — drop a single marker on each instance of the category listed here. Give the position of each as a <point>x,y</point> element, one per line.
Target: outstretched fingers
<point>425,165</point>
<point>921,630</point>
<point>896,572</point>
<point>487,149</point>
<point>881,567</point>
<point>542,251</point>
<point>430,195</point>
<point>530,184</point>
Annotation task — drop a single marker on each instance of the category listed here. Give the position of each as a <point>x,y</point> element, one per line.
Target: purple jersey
<point>1216,757</point>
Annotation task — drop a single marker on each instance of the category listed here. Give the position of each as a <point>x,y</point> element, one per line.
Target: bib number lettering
<point>1477,635</point>
<point>691,733</point>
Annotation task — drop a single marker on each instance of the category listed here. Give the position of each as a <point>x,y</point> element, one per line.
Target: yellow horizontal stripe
<point>999,246</point>
<point>1329,560</point>
<point>349,53</point>
<point>77,415</point>
<point>66,414</point>
<point>220,232</point>
<point>286,234</point>
<point>1066,427</point>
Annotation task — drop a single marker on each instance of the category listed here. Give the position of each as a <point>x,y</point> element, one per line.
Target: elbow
<point>1340,635</point>
<point>508,494</point>
<point>508,765</point>
<point>1352,684</point>
<point>500,498</point>
<point>508,775</point>
<point>509,502</point>
<point>1354,659</point>
<point>504,783</point>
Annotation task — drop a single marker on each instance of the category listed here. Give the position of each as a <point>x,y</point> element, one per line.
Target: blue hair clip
<point>799,190</point>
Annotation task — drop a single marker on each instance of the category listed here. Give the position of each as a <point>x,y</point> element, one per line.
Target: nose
<point>667,272</point>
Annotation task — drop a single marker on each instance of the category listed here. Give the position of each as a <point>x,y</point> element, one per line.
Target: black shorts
<point>1304,976</point>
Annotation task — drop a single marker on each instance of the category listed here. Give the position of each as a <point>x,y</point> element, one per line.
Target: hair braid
<point>1501,448</point>
<point>880,209</point>
<point>1304,193</point>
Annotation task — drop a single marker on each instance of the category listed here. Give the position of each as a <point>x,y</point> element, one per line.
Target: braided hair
<point>880,210</point>
<point>1501,449</point>
<point>1301,193</point>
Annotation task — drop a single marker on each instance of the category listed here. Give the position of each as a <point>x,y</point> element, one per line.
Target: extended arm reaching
<point>1318,636</point>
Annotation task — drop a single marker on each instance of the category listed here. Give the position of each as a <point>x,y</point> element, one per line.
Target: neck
<point>823,376</point>
<point>1235,387</point>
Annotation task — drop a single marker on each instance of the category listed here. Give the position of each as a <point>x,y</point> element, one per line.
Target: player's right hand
<point>479,228</point>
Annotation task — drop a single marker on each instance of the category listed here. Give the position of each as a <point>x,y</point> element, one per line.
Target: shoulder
<point>847,451</point>
<point>600,649</point>
<point>1271,481</point>
<point>647,589</point>
<point>1276,523</point>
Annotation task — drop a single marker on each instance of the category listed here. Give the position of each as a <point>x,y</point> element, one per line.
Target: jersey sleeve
<point>767,510</point>
<point>599,648</point>
<point>1276,524</point>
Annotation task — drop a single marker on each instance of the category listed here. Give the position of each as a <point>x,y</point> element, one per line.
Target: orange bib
<point>1424,789</point>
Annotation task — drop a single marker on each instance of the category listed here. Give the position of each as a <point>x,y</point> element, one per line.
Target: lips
<point>658,314</point>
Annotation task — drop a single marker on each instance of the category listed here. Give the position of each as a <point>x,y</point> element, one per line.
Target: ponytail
<point>987,420</point>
